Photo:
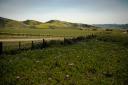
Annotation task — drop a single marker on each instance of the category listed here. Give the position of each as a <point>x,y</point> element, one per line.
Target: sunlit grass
<point>45,32</point>
<point>92,62</point>
<point>99,61</point>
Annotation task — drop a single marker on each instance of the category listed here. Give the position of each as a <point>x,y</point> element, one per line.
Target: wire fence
<point>13,46</point>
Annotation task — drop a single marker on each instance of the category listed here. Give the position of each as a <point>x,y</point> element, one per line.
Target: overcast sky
<point>80,11</point>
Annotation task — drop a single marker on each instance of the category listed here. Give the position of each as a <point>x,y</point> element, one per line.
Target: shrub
<point>80,38</point>
<point>54,42</point>
<point>68,41</point>
<point>108,30</point>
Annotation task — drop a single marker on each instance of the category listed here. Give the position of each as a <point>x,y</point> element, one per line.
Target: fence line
<point>17,40</point>
<point>44,43</point>
<point>19,45</point>
<point>1,48</point>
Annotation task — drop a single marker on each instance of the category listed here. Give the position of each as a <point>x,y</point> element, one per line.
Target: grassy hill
<point>52,24</point>
<point>32,22</point>
<point>8,23</point>
<point>62,24</point>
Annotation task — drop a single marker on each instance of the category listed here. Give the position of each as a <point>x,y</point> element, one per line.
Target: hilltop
<point>9,23</point>
<point>32,22</point>
<point>52,24</point>
<point>62,24</point>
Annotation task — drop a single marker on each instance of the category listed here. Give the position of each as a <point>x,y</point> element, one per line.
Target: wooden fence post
<point>19,45</point>
<point>32,46</point>
<point>1,48</point>
<point>44,44</point>
<point>64,39</point>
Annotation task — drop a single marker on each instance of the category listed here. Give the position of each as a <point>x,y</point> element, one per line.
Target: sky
<point>78,11</point>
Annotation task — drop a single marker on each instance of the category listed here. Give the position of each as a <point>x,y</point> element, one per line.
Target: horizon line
<point>62,20</point>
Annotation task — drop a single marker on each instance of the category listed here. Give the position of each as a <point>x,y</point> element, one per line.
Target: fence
<point>1,48</point>
<point>43,43</point>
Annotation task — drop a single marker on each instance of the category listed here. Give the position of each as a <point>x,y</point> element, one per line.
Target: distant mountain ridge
<point>112,26</point>
<point>53,24</point>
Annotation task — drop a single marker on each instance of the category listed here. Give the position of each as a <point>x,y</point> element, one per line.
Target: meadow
<point>27,33</point>
<point>36,33</point>
<point>101,60</point>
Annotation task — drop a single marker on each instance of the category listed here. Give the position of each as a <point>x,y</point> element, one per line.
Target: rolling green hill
<point>8,23</point>
<point>32,22</point>
<point>52,24</point>
<point>62,24</point>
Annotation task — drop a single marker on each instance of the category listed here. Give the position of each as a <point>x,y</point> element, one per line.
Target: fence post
<point>19,45</point>
<point>1,48</point>
<point>44,44</point>
<point>64,39</point>
<point>32,46</point>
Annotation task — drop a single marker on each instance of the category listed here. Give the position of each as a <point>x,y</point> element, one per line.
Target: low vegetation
<point>6,33</point>
<point>101,60</point>
<point>86,56</point>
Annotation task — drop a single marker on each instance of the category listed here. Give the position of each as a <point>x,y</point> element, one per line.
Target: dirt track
<point>36,39</point>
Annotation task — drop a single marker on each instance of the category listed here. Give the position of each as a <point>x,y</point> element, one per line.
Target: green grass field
<point>99,61</point>
<point>27,32</point>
